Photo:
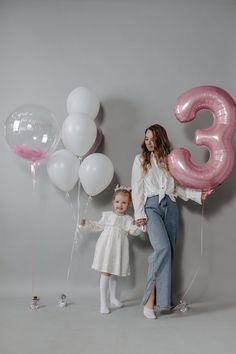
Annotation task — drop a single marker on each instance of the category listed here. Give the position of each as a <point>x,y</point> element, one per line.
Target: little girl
<point>111,256</point>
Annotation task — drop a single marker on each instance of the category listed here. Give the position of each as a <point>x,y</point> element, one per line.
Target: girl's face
<point>149,141</point>
<point>121,203</point>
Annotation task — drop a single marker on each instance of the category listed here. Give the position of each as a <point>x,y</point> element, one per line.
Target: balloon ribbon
<point>182,306</point>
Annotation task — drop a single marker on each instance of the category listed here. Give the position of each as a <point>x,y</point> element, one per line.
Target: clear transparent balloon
<point>32,132</point>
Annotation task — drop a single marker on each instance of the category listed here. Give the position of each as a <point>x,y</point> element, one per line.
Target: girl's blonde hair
<point>125,191</point>
<point>161,148</point>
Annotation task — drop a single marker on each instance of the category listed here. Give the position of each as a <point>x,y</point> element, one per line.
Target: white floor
<point>79,328</point>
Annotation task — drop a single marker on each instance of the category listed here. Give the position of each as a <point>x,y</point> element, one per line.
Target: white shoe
<point>104,310</point>
<point>116,302</point>
<point>149,313</point>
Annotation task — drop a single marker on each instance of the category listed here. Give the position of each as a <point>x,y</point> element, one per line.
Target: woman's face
<point>149,141</point>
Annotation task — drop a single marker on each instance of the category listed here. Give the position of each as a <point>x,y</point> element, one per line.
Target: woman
<point>154,192</point>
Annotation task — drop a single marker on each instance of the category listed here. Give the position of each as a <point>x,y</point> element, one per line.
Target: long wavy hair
<point>161,148</point>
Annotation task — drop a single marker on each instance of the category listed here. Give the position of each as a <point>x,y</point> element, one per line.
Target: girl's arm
<point>135,230</point>
<point>137,190</point>
<point>94,226</point>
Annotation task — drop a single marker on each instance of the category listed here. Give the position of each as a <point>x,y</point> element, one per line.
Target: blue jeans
<point>162,225</point>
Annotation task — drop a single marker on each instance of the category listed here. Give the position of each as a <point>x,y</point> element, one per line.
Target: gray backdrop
<point>138,57</point>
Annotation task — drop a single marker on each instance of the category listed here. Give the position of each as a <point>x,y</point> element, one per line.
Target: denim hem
<point>163,308</point>
<point>166,308</point>
<point>158,308</point>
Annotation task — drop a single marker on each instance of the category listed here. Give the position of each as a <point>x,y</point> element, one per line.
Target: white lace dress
<point>112,248</point>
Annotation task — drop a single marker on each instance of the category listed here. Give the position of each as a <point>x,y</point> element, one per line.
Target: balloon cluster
<point>81,137</point>
<point>32,133</point>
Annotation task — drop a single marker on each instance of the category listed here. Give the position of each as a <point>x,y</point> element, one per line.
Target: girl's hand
<point>205,194</point>
<point>82,222</point>
<point>140,222</point>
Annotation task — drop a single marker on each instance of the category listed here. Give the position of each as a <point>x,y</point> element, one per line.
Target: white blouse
<point>155,182</point>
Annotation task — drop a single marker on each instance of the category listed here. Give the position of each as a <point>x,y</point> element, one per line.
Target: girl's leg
<point>159,270</point>
<point>104,282</point>
<point>113,294</point>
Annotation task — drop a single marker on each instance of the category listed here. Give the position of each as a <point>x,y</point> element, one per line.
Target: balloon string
<point>33,173</point>
<point>71,205</point>
<point>75,240</point>
<point>33,270</point>
<point>201,254</point>
<point>86,206</point>
<point>78,229</point>
<point>77,233</point>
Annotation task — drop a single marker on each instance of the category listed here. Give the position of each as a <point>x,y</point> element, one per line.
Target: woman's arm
<point>188,193</point>
<point>137,189</point>
<point>195,195</point>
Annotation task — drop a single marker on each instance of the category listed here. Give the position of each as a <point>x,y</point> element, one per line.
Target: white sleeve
<point>138,189</point>
<point>135,230</point>
<point>94,226</point>
<point>188,193</point>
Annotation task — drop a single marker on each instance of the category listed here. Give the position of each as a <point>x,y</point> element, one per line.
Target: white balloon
<point>82,100</point>
<point>98,141</point>
<point>63,169</point>
<point>96,173</point>
<point>78,133</point>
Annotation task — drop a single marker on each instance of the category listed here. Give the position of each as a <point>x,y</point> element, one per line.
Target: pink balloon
<point>217,138</point>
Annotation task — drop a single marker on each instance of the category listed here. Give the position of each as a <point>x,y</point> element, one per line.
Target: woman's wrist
<point>205,194</point>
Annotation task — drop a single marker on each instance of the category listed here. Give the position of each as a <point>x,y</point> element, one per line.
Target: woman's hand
<point>141,222</point>
<point>205,194</point>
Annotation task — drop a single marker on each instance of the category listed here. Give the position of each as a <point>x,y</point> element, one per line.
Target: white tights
<point>113,295</point>
<point>110,282</point>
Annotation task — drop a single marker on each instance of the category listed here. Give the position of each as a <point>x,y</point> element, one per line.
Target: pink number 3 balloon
<point>217,138</point>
